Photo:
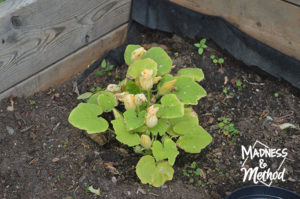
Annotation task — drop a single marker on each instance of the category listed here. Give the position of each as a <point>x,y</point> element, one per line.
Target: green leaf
<point>132,88</point>
<point>164,62</point>
<point>197,45</point>
<point>103,63</point>
<point>204,46</point>
<point>149,172</point>
<point>94,99</point>
<point>196,73</point>
<point>133,121</point>
<point>161,127</point>
<point>203,41</point>
<point>86,117</point>
<point>85,96</point>
<point>127,55</point>
<point>221,61</point>
<point>170,107</point>
<point>200,51</point>
<point>193,137</point>
<point>188,90</point>
<point>189,116</point>
<point>107,101</point>
<point>123,135</point>
<point>212,57</point>
<point>140,65</point>
<point>168,150</point>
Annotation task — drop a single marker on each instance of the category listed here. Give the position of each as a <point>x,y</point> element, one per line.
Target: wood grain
<point>69,66</point>
<point>35,34</point>
<point>273,22</point>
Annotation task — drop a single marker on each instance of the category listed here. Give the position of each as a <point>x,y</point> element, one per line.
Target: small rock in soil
<point>114,179</point>
<point>10,130</point>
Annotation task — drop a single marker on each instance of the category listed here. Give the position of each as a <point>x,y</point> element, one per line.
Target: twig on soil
<point>26,129</point>
<point>74,192</point>
<point>153,194</point>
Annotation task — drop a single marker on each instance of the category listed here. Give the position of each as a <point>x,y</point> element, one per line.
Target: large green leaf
<point>127,55</point>
<point>189,116</point>
<point>133,121</point>
<point>137,67</point>
<point>168,150</point>
<point>196,73</point>
<point>86,117</point>
<point>193,137</point>
<point>107,101</point>
<point>161,127</point>
<point>170,107</point>
<point>123,135</point>
<point>155,174</point>
<point>93,99</point>
<point>132,88</point>
<point>164,62</point>
<point>188,90</point>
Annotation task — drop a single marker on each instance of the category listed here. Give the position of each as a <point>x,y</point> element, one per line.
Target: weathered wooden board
<point>69,66</point>
<point>273,22</point>
<point>34,34</point>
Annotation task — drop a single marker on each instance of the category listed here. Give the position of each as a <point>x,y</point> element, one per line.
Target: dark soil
<point>43,156</point>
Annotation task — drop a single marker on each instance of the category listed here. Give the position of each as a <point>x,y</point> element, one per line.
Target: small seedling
<point>201,46</point>
<point>227,127</point>
<point>240,85</point>
<point>32,102</point>
<point>276,94</point>
<point>216,61</point>
<point>225,90</point>
<point>105,68</point>
<point>176,54</point>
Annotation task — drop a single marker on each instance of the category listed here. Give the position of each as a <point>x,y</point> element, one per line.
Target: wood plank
<point>37,33</point>
<point>69,66</point>
<point>273,22</point>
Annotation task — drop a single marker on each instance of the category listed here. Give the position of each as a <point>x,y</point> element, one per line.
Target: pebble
<point>10,130</point>
<point>114,179</point>
<point>164,187</point>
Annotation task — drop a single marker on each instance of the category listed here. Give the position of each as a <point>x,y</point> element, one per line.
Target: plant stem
<point>110,130</point>
<point>148,96</point>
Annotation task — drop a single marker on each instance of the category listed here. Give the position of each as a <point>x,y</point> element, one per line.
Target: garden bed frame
<point>44,43</point>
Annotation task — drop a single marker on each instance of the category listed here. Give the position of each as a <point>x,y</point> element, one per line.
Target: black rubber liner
<point>166,16</point>
<point>169,17</point>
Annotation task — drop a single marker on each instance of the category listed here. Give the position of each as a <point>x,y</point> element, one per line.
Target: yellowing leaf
<point>166,87</point>
<point>155,174</point>
<point>196,73</point>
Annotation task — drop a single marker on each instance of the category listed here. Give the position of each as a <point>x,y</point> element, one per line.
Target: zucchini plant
<point>158,119</point>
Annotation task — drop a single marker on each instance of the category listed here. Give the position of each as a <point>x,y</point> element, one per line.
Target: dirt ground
<point>43,156</point>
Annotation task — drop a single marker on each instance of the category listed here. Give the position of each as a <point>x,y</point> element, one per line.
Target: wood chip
<point>34,160</point>
<point>55,159</point>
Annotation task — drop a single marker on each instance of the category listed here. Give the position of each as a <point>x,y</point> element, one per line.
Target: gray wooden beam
<point>35,34</point>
